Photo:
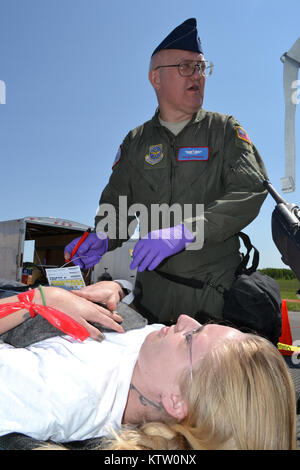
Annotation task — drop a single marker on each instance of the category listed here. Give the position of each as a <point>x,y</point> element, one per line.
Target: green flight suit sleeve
<point>242,177</point>
<point>115,200</point>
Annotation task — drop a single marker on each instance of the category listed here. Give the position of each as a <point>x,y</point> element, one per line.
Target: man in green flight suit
<point>183,158</point>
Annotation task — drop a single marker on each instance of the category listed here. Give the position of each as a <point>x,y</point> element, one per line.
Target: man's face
<point>177,95</point>
<point>165,353</point>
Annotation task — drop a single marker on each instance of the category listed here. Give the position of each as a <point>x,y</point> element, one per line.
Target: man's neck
<point>174,117</point>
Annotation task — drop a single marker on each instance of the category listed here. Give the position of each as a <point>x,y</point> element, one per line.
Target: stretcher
<point>16,441</point>
<point>286,236</point>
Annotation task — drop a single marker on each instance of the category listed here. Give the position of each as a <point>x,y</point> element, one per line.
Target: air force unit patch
<point>242,134</point>
<point>193,154</point>
<point>155,154</point>
<point>117,157</point>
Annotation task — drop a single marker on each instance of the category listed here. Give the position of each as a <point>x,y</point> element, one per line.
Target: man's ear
<point>154,78</point>
<point>175,406</point>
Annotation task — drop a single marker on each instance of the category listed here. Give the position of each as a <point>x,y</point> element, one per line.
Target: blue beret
<point>184,37</point>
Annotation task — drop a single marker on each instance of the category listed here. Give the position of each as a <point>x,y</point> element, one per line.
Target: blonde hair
<point>241,397</point>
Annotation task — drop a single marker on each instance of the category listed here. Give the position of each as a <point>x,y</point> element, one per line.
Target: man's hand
<point>152,249</point>
<point>106,292</point>
<point>90,251</point>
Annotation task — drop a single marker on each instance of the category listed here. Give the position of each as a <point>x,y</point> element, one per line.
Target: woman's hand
<point>81,310</point>
<point>106,292</point>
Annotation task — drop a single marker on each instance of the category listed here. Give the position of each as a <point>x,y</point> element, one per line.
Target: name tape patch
<point>193,154</point>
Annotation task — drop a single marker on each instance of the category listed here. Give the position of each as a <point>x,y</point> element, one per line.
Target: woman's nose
<point>186,323</point>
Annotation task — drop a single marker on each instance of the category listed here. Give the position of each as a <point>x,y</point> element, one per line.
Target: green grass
<point>288,289</point>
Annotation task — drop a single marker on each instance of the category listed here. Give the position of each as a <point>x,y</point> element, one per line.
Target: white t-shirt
<point>65,390</point>
<point>174,127</point>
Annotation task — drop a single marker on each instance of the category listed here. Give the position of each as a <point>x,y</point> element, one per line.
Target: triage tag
<point>67,278</point>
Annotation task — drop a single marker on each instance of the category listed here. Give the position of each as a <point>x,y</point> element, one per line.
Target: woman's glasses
<point>189,336</point>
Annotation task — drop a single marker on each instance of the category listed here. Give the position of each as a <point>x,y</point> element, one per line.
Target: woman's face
<point>165,353</point>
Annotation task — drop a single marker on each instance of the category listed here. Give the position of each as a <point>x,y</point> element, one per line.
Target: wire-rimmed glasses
<point>189,336</point>
<point>188,68</point>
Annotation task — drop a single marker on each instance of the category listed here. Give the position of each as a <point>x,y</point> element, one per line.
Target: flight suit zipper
<point>172,143</point>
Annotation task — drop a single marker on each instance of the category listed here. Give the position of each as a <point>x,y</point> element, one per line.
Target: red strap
<point>26,299</point>
<point>26,302</point>
<point>58,319</point>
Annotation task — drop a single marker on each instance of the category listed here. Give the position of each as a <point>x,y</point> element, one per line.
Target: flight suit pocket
<point>191,164</point>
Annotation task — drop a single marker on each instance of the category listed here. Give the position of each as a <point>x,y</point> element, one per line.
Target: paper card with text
<point>68,278</point>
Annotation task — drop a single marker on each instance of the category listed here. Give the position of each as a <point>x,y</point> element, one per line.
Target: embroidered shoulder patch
<point>117,157</point>
<point>242,134</point>
<point>155,154</point>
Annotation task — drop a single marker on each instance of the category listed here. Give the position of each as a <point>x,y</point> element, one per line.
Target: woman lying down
<point>188,386</point>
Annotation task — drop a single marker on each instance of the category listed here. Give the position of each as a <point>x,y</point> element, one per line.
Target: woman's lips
<point>164,330</point>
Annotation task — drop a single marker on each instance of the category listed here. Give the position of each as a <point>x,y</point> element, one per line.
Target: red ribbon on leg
<point>58,319</point>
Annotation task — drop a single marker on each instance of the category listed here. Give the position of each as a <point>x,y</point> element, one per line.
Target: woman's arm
<point>80,309</point>
<point>14,319</point>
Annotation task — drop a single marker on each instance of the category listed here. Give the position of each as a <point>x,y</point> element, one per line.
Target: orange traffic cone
<point>286,335</point>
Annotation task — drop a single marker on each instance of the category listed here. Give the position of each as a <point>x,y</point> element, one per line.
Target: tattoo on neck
<point>145,401</point>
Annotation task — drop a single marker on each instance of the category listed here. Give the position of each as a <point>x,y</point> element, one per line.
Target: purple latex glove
<point>152,249</point>
<point>90,252</point>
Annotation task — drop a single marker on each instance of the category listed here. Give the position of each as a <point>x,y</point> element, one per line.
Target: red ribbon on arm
<point>58,319</point>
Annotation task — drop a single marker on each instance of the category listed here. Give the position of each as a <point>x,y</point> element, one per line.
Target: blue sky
<point>76,82</point>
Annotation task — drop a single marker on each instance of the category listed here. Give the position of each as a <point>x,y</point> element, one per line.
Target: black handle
<point>275,195</point>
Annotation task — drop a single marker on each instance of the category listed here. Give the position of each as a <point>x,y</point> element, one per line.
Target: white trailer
<point>50,235</point>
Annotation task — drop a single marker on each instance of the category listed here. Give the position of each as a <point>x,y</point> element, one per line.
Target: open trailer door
<point>47,236</point>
